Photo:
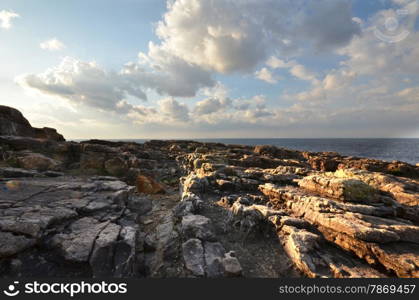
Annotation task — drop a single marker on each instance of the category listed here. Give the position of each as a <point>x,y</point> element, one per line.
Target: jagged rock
<point>140,205</point>
<point>190,204</point>
<point>13,123</point>
<point>12,244</point>
<point>316,259</point>
<point>214,254</point>
<point>193,255</point>
<point>231,265</point>
<point>324,163</point>
<point>196,226</point>
<point>194,184</point>
<point>404,190</point>
<point>77,245</point>
<point>101,257</point>
<point>76,219</point>
<point>175,148</point>
<point>350,190</point>
<point>349,223</point>
<point>276,152</point>
<point>126,253</point>
<point>251,218</point>
<point>225,185</point>
<point>166,246</point>
<point>355,228</point>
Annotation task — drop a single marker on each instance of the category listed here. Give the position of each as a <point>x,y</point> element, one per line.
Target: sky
<point>213,68</point>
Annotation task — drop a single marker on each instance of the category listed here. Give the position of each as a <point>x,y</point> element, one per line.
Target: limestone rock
<point>196,226</point>
<point>214,254</point>
<point>193,255</point>
<point>356,228</point>
<point>348,190</point>
<point>12,244</point>
<point>231,265</point>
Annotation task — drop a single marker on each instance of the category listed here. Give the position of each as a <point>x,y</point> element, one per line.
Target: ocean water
<point>406,150</point>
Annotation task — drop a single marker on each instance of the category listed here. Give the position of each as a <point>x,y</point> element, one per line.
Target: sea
<point>406,150</point>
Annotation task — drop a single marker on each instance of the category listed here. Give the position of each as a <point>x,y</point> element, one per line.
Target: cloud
<point>52,45</point>
<point>211,105</point>
<point>329,24</point>
<point>301,72</point>
<point>197,39</point>
<point>216,35</point>
<point>89,84</point>
<point>266,75</point>
<point>235,36</point>
<point>276,63</point>
<point>83,83</point>
<point>6,17</point>
<point>168,74</point>
<point>368,85</point>
<point>297,70</point>
<point>174,110</point>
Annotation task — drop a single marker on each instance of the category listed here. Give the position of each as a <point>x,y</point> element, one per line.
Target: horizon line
<point>245,138</point>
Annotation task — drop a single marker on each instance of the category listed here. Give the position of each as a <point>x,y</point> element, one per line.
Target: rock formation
<point>189,209</point>
<point>13,123</point>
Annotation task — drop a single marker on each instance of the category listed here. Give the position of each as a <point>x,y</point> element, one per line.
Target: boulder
<point>39,162</point>
<point>231,265</point>
<point>148,185</point>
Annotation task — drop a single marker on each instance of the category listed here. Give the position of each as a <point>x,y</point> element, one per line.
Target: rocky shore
<point>188,209</point>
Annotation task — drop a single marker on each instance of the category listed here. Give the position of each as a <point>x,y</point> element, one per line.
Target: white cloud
<point>235,36</point>
<point>276,63</point>
<point>266,75</point>
<point>168,74</point>
<point>52,45</point>
<point>213,34</point>
<point>211,105</point>
<point>301,72</point>
<point>83,83</point>
<point>6,17</point>
<point>297,70</point>
<point>174,110</point>
<point>328,24</point>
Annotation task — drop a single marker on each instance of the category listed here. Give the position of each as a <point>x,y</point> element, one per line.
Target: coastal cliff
<point>189,209</point>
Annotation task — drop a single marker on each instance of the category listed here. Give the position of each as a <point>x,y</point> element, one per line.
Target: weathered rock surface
<point>82,221</point>
<point>191,209</point>
<point>370,232</point>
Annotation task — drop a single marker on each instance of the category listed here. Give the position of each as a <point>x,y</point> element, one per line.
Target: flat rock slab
<point>82,221</point>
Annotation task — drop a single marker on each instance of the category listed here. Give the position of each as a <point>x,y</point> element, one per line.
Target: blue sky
<point>215,68</point>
